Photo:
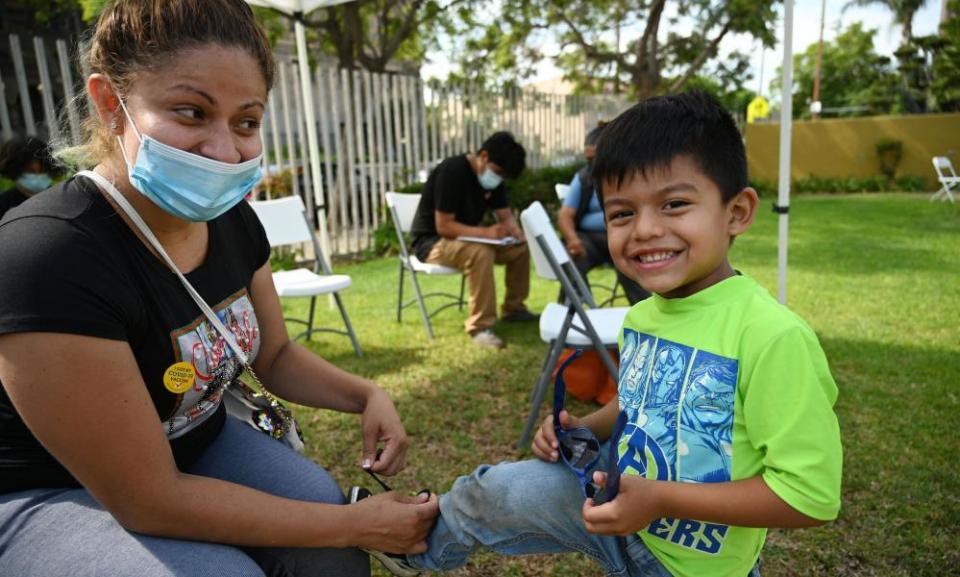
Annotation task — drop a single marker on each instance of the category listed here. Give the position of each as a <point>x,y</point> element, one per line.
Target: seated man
<point>582,225</point>
<point>458,193</point>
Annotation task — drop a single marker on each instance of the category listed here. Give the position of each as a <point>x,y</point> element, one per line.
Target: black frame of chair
<point>419,297</point>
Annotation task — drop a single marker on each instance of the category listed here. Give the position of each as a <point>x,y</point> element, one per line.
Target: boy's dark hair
<point>16,154</point>
<point>504,151</point>
<point>652,133</point>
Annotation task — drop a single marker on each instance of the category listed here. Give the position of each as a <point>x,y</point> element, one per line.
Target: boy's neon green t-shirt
<point>723,385</point>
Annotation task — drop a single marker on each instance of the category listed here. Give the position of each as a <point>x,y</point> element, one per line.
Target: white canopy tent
<point>297,9</point>
<point>782,207</point>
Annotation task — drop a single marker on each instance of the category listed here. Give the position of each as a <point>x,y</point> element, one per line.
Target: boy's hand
<point>545,445</point>
<point>636,505</point>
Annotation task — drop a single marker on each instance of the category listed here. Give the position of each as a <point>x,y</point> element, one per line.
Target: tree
<point>372,33</point>
<point>945,83</point>
<point>855,80</point>
<point>591,33</point>
<point>903,13</point>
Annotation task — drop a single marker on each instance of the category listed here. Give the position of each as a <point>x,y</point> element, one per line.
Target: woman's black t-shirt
<point>70,264</point>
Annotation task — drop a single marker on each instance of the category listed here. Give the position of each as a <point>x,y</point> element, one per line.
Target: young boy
<point>729,398</point>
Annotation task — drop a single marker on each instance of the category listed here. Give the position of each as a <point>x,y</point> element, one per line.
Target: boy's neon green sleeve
<point>789,418</point>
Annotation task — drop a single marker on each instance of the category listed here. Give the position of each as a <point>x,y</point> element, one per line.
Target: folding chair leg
<point>463,285</point>
<point>421,304</point>
<point>400,297</point>
<point>346,321</point>
<point>539,392</point>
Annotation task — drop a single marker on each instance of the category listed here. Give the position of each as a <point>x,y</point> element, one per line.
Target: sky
<point>806,31</point>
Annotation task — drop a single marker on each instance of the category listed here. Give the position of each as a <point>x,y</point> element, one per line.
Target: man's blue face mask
<point>187,185</point>
<point>489,180</point>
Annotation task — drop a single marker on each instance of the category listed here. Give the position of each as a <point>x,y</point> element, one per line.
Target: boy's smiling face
<point>669,230</point>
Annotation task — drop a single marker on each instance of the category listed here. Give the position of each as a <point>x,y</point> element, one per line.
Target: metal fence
<point>376,132</point>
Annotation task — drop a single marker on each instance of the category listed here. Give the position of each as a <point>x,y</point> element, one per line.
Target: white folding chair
<point>571,324</point>
<point>403,208</point>
<point>286,224</point>
<point>561,190</point>
<point>947,177</point>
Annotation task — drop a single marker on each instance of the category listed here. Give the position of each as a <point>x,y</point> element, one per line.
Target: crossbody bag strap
<point>228,336</point>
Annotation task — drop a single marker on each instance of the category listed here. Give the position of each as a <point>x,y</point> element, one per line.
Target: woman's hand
<point>637,504</point>
<point>380,422</point>
<point>395,523</point>
<point>545,445</point>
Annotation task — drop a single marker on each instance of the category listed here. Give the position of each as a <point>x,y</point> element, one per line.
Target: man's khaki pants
<point>476,260</point>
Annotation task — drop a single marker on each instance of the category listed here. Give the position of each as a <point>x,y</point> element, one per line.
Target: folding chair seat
<point>947,177</point>
<point>285,223</point>
<point>403,208</point>
<point>575,323</point>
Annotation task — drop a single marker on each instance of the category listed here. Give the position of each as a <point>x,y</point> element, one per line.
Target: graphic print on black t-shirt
<point>211,359</point>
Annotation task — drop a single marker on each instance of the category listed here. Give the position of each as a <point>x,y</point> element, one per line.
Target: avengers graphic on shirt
<point>680,402</point>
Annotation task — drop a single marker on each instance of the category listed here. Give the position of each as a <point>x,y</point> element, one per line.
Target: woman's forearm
<point>300,376</point>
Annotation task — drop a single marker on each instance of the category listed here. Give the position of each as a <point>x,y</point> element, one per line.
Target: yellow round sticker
<point>178,378</point>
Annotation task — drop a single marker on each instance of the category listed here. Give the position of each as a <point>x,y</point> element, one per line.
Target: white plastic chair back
<point>535,223</point>
<point>406,206</point>
<point>284,220</point>
<point>561,190</point>
<point>944,167</point>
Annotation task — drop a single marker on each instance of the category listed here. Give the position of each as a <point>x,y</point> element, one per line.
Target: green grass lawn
<point>878,278</point>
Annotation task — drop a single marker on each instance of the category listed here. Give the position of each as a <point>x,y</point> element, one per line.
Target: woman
<point>111,462</point>
<point>29,164</point>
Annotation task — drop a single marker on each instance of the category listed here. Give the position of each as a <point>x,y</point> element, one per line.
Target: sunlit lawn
<point>878,277</point>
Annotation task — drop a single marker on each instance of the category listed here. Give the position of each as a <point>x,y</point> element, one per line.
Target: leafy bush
<point>889,153</point>
<point>812,184</point>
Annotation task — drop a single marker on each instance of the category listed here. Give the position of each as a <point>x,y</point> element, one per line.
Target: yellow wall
<point>846,147</point>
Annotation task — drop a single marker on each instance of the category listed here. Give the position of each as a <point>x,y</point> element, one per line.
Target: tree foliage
<point>854,79</point>
<point>616,45</point>
<point>372,33</point>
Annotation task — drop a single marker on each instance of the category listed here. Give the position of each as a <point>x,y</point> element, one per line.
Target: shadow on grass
<point>899,420</point>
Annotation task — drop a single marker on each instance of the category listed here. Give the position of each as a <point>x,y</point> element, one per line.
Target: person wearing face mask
<point>117,454</point>
<point>582,224</point>
<point>459,194</point>
<point>29,164</point>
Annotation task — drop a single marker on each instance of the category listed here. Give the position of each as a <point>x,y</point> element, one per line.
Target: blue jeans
<point>524,508</point>
<point>47,532</point>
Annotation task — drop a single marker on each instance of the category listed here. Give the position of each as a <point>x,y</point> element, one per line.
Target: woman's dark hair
<point>17,154</point>
<point>503,150</point>
<point>136,35</point>
<point>652,133</point>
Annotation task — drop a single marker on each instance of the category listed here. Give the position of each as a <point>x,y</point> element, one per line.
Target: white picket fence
<point>376,132</point>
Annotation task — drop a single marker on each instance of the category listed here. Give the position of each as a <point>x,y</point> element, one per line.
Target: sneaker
<point>395,564</point>
<point>523,316</point>
<point>486,338</point>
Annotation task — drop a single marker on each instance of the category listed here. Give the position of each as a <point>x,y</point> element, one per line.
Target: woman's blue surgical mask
<point>489,180</point>
<point>187,185</point>
<point>34,182</point>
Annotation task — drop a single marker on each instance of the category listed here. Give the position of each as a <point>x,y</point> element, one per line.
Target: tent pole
<point>311,120</point>
<point>782,207</point>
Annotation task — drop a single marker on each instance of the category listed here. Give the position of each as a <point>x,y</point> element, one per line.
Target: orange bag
<point>587,378</point>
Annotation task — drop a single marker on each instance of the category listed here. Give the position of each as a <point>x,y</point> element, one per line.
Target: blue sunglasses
<point>579,447</point>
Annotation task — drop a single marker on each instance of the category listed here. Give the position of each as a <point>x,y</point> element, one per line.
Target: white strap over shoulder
<point>131,212</point>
